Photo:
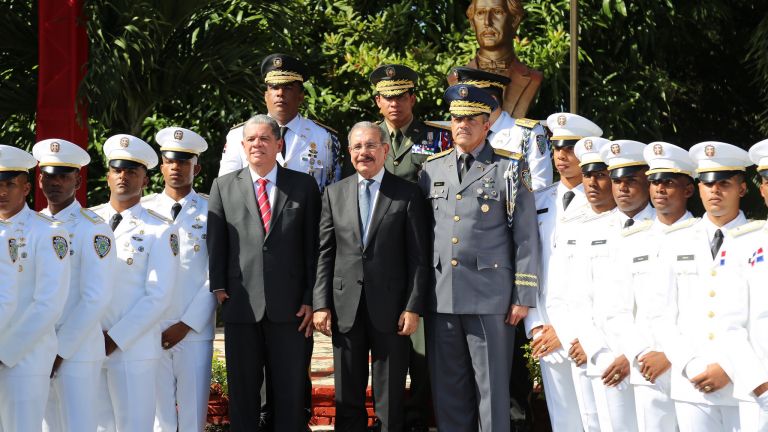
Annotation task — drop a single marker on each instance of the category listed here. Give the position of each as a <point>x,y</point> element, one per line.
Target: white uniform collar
<point>69,211</point>
<point>645,214</point>
<point>134,211</point>
<point>711,227</point>
<point>497,125</point>
<point>294,124</point>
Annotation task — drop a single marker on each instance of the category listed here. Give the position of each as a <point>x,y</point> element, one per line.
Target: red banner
<point>63,53</point>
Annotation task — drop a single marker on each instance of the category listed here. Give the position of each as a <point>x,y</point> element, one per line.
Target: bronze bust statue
<point>495,23</point>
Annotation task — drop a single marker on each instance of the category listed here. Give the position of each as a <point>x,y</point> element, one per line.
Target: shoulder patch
<point>746,228</point>
<point>91,216</point>
<point>526,123</point>
<point>158,216</point>
<point>439,155</point>
<point>678,226</point>
<point>102,245</point>
<point>636,228</point>
<point>237,126</point>
<point>149,197</point>
<point>328,128</point>
<point>507,153</point>
<point>445,125</point>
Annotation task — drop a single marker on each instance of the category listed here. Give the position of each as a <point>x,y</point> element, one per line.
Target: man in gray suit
<point>371,278</point>
<point>262,243</point>
<point>486,264</point>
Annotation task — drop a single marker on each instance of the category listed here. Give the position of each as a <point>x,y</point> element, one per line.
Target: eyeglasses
<point>357,148</point>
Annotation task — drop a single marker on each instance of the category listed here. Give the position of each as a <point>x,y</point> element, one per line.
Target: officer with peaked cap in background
<point>691,276</point>
<point>308,147</point>
<point>184,369</point>
<point>564,291</point>
<point>486,265</point>
<point>557,207</point>
<point>524,136</point>
<point>748,244</point>
<point>39,250</point>
<point>671,175</point>
<point>77,368</point>
<point>411,143</point>
<point>147,248</point>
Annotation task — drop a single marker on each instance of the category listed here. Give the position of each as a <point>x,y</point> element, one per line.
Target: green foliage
<point>533,365</point>
<point>219,375</point>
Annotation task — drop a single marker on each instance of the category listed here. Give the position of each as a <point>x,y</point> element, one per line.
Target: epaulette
<point>328,128</point>
<point>545,188</point>
<point>158,215</point>
<point>507,154</point>
<point>203,196</point>
<point>237,126</point>
<point>48,219</point>
<point>746,228</point>
<point>526,123</point>
<point>91,216</point>
<point>681,225</point>
<point>149,197</point>
<point>636,228</point>
<point>438,124</point>
<point>4,223</point>
<point>578,214</point>
<point>439,155</point>
<point>589,218</point>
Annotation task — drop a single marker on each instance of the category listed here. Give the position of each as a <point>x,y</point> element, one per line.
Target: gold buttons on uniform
<point>397,163</point>
<point>711,314</point>
<point>454,240</point>
<point>711,336</point>
<point>714,273</point>
<point>456,218</point>
<point>454,262</point>
<point>197,248</point>
<point>129,261</point>
<point>711,293</point>
<point>458,196</point>
<point>495,265</point>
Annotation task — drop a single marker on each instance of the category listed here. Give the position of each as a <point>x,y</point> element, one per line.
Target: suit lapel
<point>354,207</point>
<point>249,195</point>
<point>380,208</point>
<point>481,165</point>
<point>409,139</point>
<point>281,190</point>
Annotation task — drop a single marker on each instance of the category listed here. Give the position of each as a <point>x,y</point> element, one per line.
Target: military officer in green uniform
<point>412,143</point>
<point>412,140</point>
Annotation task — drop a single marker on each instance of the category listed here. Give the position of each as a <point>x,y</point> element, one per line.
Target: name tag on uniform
<point>599,242</point>
<point>438,183</point>
<point>571,242</point>
<point>640,259</point>
<point>542,211</point>
<point>685,257</point>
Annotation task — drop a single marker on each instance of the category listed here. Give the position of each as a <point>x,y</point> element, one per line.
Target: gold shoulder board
<point>636,228</point>
<point>91,216</point>
<point>746,228</point>
<point>526,123</point>
<point>439,155</point>
<point>158,216</point>
<point>678,226</point>
<point>507,154</point>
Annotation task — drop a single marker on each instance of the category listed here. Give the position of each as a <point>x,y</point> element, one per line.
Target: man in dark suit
<point>262,242</point>
<point>371,280</point>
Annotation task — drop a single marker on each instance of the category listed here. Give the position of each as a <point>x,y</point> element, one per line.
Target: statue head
<point>495,22</point>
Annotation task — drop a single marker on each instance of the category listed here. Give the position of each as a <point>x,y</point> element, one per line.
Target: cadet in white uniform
<point>671,175</point>
<point>76,371</point>
<point>40,251</point>
<point>309,147</point>
<point>693,325</point>
<point>147,248</point>
<point>524,136</point>
<point>748,244</point>
<point>557,206</point>
<point>8,274</point>
<point>562,265</point>
<point>184,372</point>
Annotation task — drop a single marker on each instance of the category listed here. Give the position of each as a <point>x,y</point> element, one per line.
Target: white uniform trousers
<point>585,397</point>
<point>693,417</point>
<point>73,397</point>
<point>127,393</point>
<point>751,418</point>
<point>615,406</point>
<point>184,379</point>
<point>655,409</point>
<point>22,400</point>
<point>561,398</point>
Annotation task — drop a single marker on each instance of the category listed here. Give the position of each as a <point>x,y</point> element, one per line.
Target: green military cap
<point>393,80</point>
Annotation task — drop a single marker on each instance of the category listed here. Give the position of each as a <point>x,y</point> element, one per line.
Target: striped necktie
<point>263,199</point>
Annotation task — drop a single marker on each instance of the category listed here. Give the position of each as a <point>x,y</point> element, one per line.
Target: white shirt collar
<point>497,125</point>
<point>271,176</point>
<point>711,227</point>
<point>292,125</point>
<point>65,213</point>
<point>377,178</point>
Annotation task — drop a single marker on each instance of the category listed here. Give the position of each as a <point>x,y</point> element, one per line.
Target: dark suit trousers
<point>389,366</point>
<point>247,347</point>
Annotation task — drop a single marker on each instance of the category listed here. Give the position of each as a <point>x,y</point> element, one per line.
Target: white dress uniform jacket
<point>8,273</point>
<point>28,343</point>
<point>81,342</point>
<point>531,142</point>
<point>184,374</point>
<point>310,148</point>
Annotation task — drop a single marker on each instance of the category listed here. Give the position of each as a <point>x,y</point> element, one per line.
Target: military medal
<point>197,248</point>
<point>485,208</point>
<point>174,240</point>
<point>129,261</point>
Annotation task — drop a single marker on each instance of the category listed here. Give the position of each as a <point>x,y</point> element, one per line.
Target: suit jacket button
<point>456,218</point>
<point>454,262</point>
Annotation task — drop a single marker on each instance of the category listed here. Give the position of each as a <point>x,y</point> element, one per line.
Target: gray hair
<point>263,119</point>
<point>383,137</point>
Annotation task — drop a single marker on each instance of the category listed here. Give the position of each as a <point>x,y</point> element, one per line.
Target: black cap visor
<point>593,167</point>
<point>8,175</point>
<point>124,163</point>
<point>666,176</point>
<point>713,176</point>
<point>177,155</point>
<point>627,171</point>
<point>58,169</point>
<point>564,143</point>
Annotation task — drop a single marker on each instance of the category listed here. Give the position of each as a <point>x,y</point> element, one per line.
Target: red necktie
<point>263,199</point>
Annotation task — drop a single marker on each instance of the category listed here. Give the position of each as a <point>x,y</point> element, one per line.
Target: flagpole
<point>574,57</point>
